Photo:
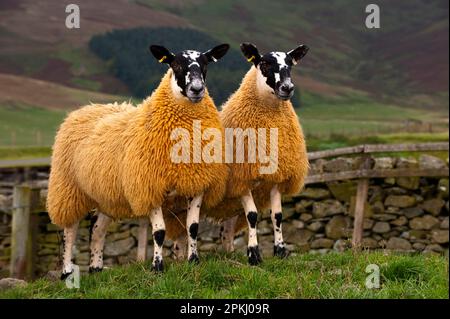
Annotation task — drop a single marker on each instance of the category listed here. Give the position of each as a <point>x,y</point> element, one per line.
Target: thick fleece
<point>116,158</point>
<point>247,109</point>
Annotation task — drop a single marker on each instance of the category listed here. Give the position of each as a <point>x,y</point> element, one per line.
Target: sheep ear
<point>251,52</point>
<point>298,53</point>
<point>217,52</point>
<point>162,54</point>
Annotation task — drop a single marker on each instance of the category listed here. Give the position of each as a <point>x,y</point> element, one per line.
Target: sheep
<point>117,159</point>
<point>262,101</point>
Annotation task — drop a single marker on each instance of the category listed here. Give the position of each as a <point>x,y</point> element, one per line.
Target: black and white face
<point>189,69</point>
<point>274,69</point>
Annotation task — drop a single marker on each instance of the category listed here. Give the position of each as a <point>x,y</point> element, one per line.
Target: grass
<point>8,153</point>
<point>24,125</point>
<point>333,275</point>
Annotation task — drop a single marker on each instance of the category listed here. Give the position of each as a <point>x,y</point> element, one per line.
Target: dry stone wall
<point>405,214</point>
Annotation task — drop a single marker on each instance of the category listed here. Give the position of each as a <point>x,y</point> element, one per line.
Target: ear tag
<point>162,59</point>
<point>251,59</point>
<point>294,62</point>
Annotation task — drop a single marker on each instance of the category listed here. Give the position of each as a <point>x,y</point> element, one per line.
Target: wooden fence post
<point>142,239</point>
<point>361,198</point>
<point>20,256</point>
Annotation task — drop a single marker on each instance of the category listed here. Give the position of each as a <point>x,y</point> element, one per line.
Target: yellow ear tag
<point>251,59</point>
<point>162,59</point>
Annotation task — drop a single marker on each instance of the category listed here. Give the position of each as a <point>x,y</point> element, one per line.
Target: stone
<point>425,222</point>
<point>389,180</point>
<point>303,206</point>
<point>369,243</point>
<point>384,217</point>
<point>306,217</point>
<point>322,243</point>
<point>368,223</point>
<point>443,187</point>
<point>339,165</point>
<point>412,212</point>
<point>327,208</point>
<point>392,210</point>
<point>376,194</point>
<point>338,227</point>
<point>53,275</point>
<point>433,206</point>
<point>444,223</point>
<point>208,247</point>
<point>315,227</point>
<point>288,212</point>
<point>403,162</point>
<point>118,236</point>
<point>396,191</point>
<point>368,212</point>
<point>119,247</point>
<point>343,191</point>
<point>9,283</point>
<point>341,245</point>
<point>381,227</point>
<point>298,236</point>
<point>434,247</point>
<point>396,243</point>
<point>440,236</point>
<point>417,234</point>
<point>402,201</point>
<point>298,224</point>
<point>402,220</point>
<point>378,207</point>
<point>411,183</point>
<point>384,163</point>
<point>419,246</point>
<point>315,193</point>
<point>431,162</point>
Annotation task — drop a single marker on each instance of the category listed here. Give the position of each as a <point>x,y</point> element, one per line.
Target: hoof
<point>65,275</point>
<point>280,251</point>
<point>194,259</point>
<point>93,270</point>
<point>254,258</point>
<point>158,266</point>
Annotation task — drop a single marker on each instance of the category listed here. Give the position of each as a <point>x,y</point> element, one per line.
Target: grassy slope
<point>228,276</point>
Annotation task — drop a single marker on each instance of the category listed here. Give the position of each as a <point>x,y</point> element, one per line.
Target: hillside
<point>353,81</point>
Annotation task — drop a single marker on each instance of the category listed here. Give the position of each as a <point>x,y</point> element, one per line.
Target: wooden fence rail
<point>24,203</point>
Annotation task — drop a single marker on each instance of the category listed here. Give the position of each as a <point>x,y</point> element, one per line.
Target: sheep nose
<point>196,88</point>
<point>287,87</point>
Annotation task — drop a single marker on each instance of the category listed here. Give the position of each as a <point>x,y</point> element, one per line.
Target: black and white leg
<point>279,248</point>
<point>227,231</point>
<point>193,216</point>
<point>251,213</point>
<point>159,232</point>
<point>70,236</point>
<point>98,242</point>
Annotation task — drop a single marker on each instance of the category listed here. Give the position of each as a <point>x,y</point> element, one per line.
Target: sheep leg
<point>70,236</point>
<point>254,258</point>
<point>192,219</point>
<point>98,242</point>
<point>227,231</point>
<point>159,232</point>
<point>279,248</point>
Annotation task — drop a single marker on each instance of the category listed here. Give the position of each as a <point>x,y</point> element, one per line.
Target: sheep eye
<point>264,67</point>
<point>176,68</point>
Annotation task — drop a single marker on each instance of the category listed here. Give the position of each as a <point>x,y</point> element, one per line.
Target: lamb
<point>262,101</point>
<point>116,159</point>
